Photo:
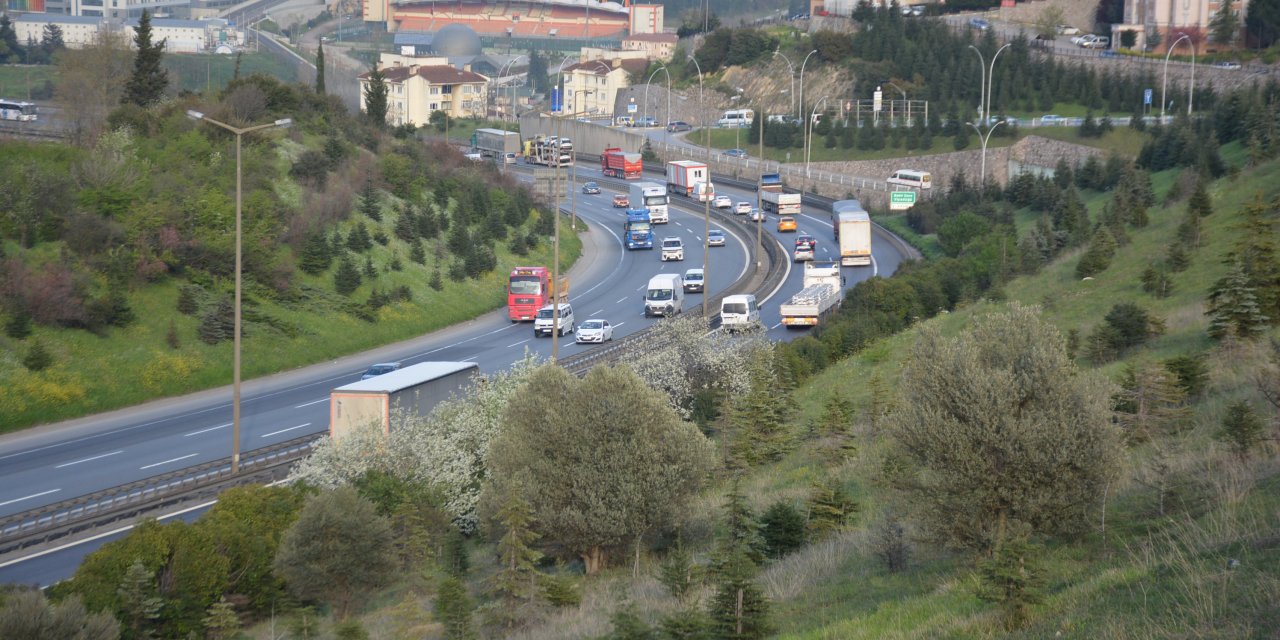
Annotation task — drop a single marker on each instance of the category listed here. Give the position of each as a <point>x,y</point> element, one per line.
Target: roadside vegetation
<point>118,250</point>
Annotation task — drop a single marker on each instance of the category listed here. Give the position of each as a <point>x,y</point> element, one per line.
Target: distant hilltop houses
<point>211,35</point>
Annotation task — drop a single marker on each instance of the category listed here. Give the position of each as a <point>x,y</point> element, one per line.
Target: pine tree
<point>347,278</point>
<point>1258,255</point>
<point>783,529</point>
<point>320,68</point>
<point>218,322</point>
<point>758,418</point>
<point>453,608</point>
<point>1242,428</point>
<point>317,254</point>
<point>1012,579</point>
<point>516,580</point>
<point>375,98</point>
<point>38,358</point>
<point>139,606</point>
<point>369,204</point>
<point>1233,307</point>
<point>18,326</point>
<point>454,559</point>
<point>1150,401</point>
<point>1098,256</point>
<point>687,624</point>
<point>830,507</point>
<point>1225,24</point>
<point>370,272</point>
<point>406,227</point>
<point>627,625</point>
<point>171,336</point>
<point>1177,257</point>
<point>359,240</point>
<point>149,80</point>
<point>739,609</point>
<point>1200,204</point>
<point>220,620</point>
<point>417,253</point>
<point>436,282</point>
<point>1157,281</point>
<point>679,574</point>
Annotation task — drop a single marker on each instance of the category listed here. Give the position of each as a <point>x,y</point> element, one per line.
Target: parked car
<point>678,125</point>
<point>594,330</point>
<point>1098,42</point>
<point>786,223</point>
<point>1227,65</point>
<point>743,208</point>
<point>736,153</point>
<point>591,187</point>
<point>621,201</point>
<point>1082,37</point>
<point>722,202</point>
<point>1050,119</point>
<point>379,369</point>
<point>715,238</point>
<point>646,121</point>
<point>1067,30</point>
<point>979,24</point>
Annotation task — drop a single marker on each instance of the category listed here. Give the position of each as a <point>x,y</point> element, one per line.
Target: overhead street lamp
<point>809,145</point>
<point>906,102</point>
<point>706,210</point>
<point>662,68</point>
<point>802,64</point>
<point>502,74</point>
<point>792,69</point>
<point>988,78</point>
<point>235,364</point>
<point>1165,82</point>
<point>557,188</point>
<point>983,176</point>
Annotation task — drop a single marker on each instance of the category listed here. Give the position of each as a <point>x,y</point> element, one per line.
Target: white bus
<point>15,110</point>
<point>736,118</point>
<point>912,178</point>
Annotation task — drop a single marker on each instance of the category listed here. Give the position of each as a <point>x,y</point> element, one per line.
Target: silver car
<point>595,330</point>
<point>379,369</point>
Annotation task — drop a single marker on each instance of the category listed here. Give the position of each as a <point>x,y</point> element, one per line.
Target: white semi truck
<point>651,196</point>
<point>416,390</point>
<point>784,204</point>
<point>820,296</point>
<point>852,228</point>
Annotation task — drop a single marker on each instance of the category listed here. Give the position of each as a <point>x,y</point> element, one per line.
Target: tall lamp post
<point>809,144</point>
<point>573,182</point>
<point>984,91</point>
<point>792,69</point>
<point>502,74</point>
<point>983,176</point>
<point>662,68</point>
<point>1165,82</point>
<point>802,64</point>
<point>235,365</point>
<point>555,261</point>
<point>905,102</point>
<point>706,209</point>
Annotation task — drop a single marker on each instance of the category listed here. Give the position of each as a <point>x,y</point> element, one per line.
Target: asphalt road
<point>56,462</point>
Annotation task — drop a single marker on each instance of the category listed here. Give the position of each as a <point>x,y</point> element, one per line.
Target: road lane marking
<point>34,495</point>
<point>275,433</point>
<point>468,359</point>
<point>776,326</point>
<point>618,325</point>
<point>517,343</point>
<point>98,457</point>
<point>196,433</point>
<point>597,312</point>
<point>189,455</point>
<point>307,404</point>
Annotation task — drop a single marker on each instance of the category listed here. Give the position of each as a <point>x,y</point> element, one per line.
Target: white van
<point>665,295</point>
<point>736,118</point>
<point>739,312</point>
<point>912,178</point>
<point>545,322</point>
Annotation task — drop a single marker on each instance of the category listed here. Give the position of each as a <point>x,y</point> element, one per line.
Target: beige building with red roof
<point>658,46</point>
<point>418,86</point>
<point>591,87</point>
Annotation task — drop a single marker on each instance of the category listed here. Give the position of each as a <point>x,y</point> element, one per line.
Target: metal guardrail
<point>100,508</point>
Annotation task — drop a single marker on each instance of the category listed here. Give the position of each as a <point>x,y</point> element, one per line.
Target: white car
<point>1082,38</point>
<point>595,330</point>
<point>757,215</point>
<point>722,202</point>
<point>672,248</point>
<point>693,281</point>
<point>743,208</point>
<point>1067,30</point>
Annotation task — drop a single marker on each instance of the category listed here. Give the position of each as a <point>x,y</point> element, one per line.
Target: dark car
<point>678,125</point>
<point>379,369</point>
<point>736,153</point>
<point>591,187</point>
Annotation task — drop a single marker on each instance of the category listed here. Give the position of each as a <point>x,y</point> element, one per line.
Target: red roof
<point>603,67</point>
<point>435,74</point>
<point>653,37</point>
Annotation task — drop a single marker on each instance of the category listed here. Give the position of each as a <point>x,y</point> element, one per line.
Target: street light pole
<point>502,74</point>
<point>802,64</point>
<point>792,69</point>
<point>809,145</point>
<point>706,210</point>
<point>662,68</point>
<point>983,176</point>
<point>235,364</point>
<point>1165,82</point>
<point>991,80</point>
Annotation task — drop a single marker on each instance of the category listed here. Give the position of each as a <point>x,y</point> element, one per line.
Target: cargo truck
<point>549,151</point>
<point>783,204</point>
<point>616,163</point>
<point>769,182</point>
<point>819,297</point>
<point>691,179</point>
<point>651,196</point>
<point>416,390</point>
<point>636,231</point>
<point>495,143</point>
<point>852,229</point>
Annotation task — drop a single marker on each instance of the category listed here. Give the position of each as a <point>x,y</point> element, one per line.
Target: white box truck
<point>691,179</point>
<point>852,228</point>
<point>664,296</point>
<point>821,295</point>
<point>784,204</point>
<point>495,143</point>
<point>416,389</point>
<point>651,196</point>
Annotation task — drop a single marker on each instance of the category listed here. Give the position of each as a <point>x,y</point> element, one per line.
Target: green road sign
<point>899,200</point>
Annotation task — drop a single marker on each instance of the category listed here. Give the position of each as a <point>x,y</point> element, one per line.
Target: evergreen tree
<point>1225,24</point>
<point>1012,578</point>
<point>1258,255</point>
<point>406,227</point>
<point>1233,307</point>
<point>220,620</point>
<point>38,358</point>
<point>1199,203</point>
<point>1150,401</point>
<point>436,282</point>
<point>1177,257</point>
<point>627,625</point>
<point>218,322</point>
<point>783,529</point>
<point>1242,428</point>
<point>453,609</point>
<point>1190,230</point>
<point>359,240</point>
<point>316,256</point>
<point>454,559</point>
<point>370,272</point>
<point>18,326</point>
<point>758,419</point>
<point>417,253</point>
<point>1157,281</point>
<point>687,624</point>
<point>10,51</point>
<point>149,80</point>
<point>738,609</point>
<point>51,39</point>
<point>375,98</point>
<point>830,506</point>
<point>516,580</point>
<point>347,278</point>
<point>369,205</point>
<point>139,605</point>
<point>679,574</point>
<point>1098,256</point>
<point>320,68</point>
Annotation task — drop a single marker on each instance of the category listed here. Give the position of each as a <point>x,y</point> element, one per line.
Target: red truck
<point>616,163</point>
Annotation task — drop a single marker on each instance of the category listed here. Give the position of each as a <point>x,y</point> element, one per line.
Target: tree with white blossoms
<point>445,449</point>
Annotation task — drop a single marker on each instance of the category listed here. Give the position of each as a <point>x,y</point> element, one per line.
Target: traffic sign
<point>632,107</point>
<point>1146,96</point>
<point>901,200</point>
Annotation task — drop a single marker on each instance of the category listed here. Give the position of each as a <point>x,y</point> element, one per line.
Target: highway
<point>56,462</point>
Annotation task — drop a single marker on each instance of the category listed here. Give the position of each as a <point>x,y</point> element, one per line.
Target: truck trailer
<point>820,296</point>
<point>415,390</point>
<point>784,204</point>
<point>651,196</point>
<point>691,179</point>
<point>852,229</point>
<point>616,163</point>
<point>549,151</point>
<point>769,182</point>
<point>495,143</point>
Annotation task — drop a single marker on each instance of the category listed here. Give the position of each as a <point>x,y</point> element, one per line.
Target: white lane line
<point>468,359</point>
<point>275,433</point>
<point>618,325</point>
<point>597,312</point>
<point>620,300</point>
<point>569,343</point>
<point>776,326</point>
<point>98,457</point>
<point>517,343</point>
<point>189,455</point>
<point>34,495</point>
<point>196,433</point>
<point>311,403</point>
<point>875,268</point>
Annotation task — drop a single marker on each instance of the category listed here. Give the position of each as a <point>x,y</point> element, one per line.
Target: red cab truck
<point>616,163</point>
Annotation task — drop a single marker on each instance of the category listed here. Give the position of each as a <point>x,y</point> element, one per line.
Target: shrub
<point>18,325</point>
<point>189,299</point>
<point>347,279</point>
<point>889,543</point>
<point>218,322</point>
<point>783,528</point>
<point>1242,428</point>
<point>38,358</point>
